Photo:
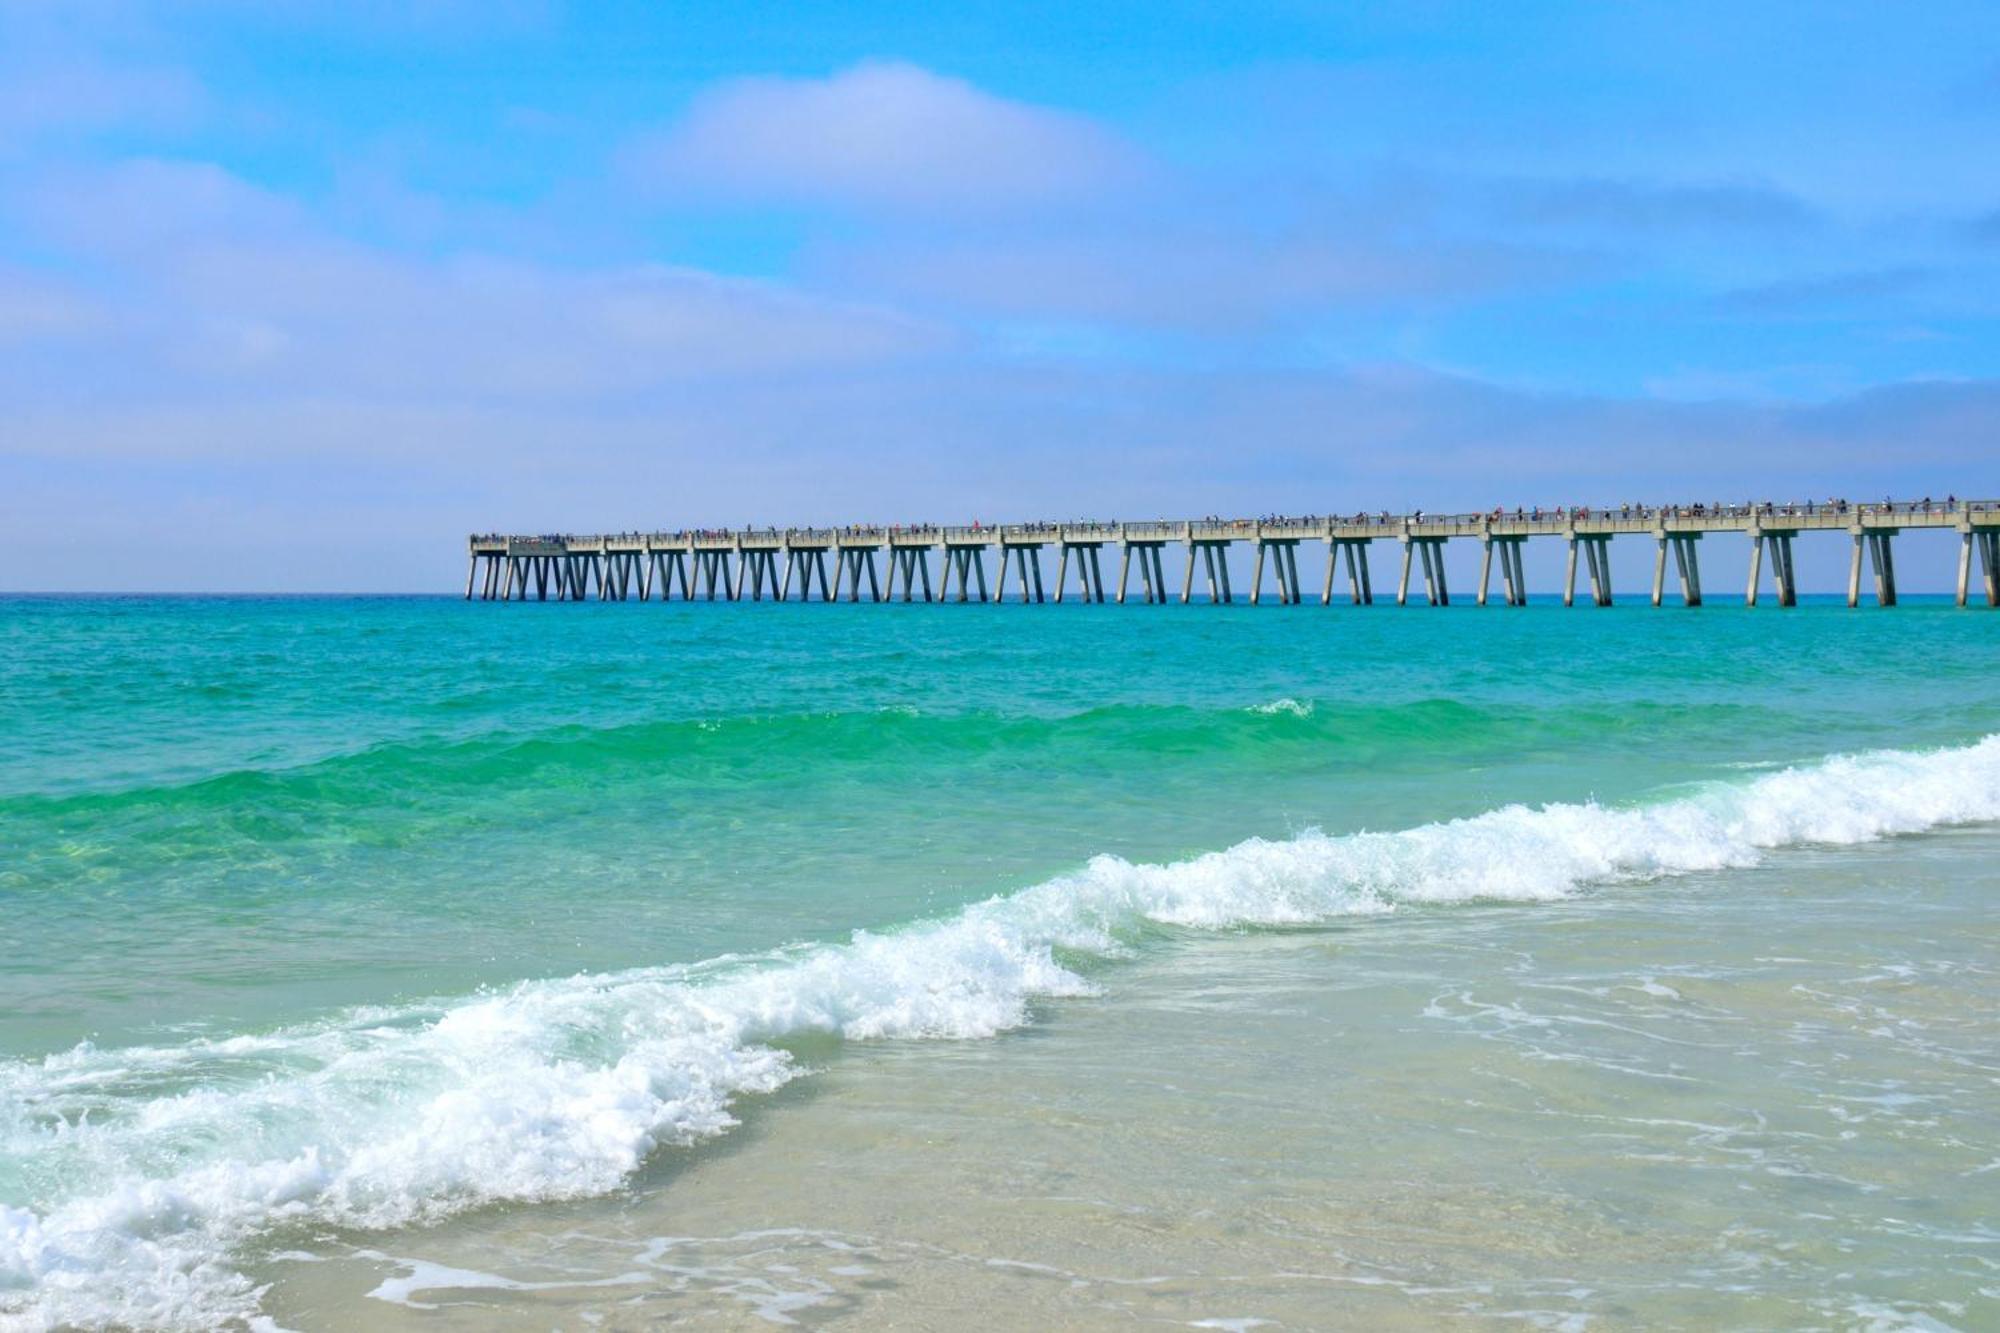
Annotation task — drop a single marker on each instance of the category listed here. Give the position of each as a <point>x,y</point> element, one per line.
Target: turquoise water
<point>344,927</point>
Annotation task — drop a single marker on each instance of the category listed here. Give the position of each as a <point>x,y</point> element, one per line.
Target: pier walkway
<point>877,563</point>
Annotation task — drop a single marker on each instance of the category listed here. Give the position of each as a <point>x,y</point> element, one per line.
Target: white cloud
<point>34,309</point>
<point>1202,281</point>
<point>41,100</point>
<point>214,280</point>
<point>144,207</point>
<point>886,135</point>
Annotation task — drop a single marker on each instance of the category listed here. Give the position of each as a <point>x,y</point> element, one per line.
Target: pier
<point>895,563</point>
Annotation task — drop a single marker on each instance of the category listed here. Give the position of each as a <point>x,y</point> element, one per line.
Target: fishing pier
<point>895,563</point>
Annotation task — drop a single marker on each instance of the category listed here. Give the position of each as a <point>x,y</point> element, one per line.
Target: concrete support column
<point>1660,571</point>
<point>1485,568</point>
<point>1569,575</point>
<point>1854,573</point>
<point>1435,590</point>
<point>1964,565</point>
<point>1598,549</point>
<point>1885,567</point>
<point>1756,567</point>
<point>1685,563</point>
<point>1403,582</point>
<point>1257,575</point>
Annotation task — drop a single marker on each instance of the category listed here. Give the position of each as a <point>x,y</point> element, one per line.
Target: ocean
<point>381,963</point>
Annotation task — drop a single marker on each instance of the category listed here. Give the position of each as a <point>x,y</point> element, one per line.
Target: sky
<point>294,296</point>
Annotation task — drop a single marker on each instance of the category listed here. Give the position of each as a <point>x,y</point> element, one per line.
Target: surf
<point>141,1174</point>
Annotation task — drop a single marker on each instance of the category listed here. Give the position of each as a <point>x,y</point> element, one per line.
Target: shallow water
<point>398,960</point>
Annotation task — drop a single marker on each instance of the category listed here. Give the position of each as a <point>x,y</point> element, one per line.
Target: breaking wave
<point>144,1171</point>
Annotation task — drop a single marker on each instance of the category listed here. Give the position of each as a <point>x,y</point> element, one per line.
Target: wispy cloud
<point>1204,280</point>
<point>34,308</point>
<point>1877,290</point>
<point>52,100</point>
<point>224,279</point>
<point>884,135</point>
<point>1654,205</point>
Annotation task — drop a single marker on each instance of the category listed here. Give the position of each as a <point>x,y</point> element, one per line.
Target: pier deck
<point>752,563</point>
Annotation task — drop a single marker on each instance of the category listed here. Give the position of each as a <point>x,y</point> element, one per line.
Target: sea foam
<point>149,1171</point>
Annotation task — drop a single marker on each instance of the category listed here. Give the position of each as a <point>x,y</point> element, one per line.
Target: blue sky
<point>294,295</point>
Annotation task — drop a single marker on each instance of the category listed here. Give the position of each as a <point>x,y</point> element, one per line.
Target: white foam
<point>151,1167</point>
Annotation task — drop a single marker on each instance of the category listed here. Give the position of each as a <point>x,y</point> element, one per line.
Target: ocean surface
<point>408,963</point>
